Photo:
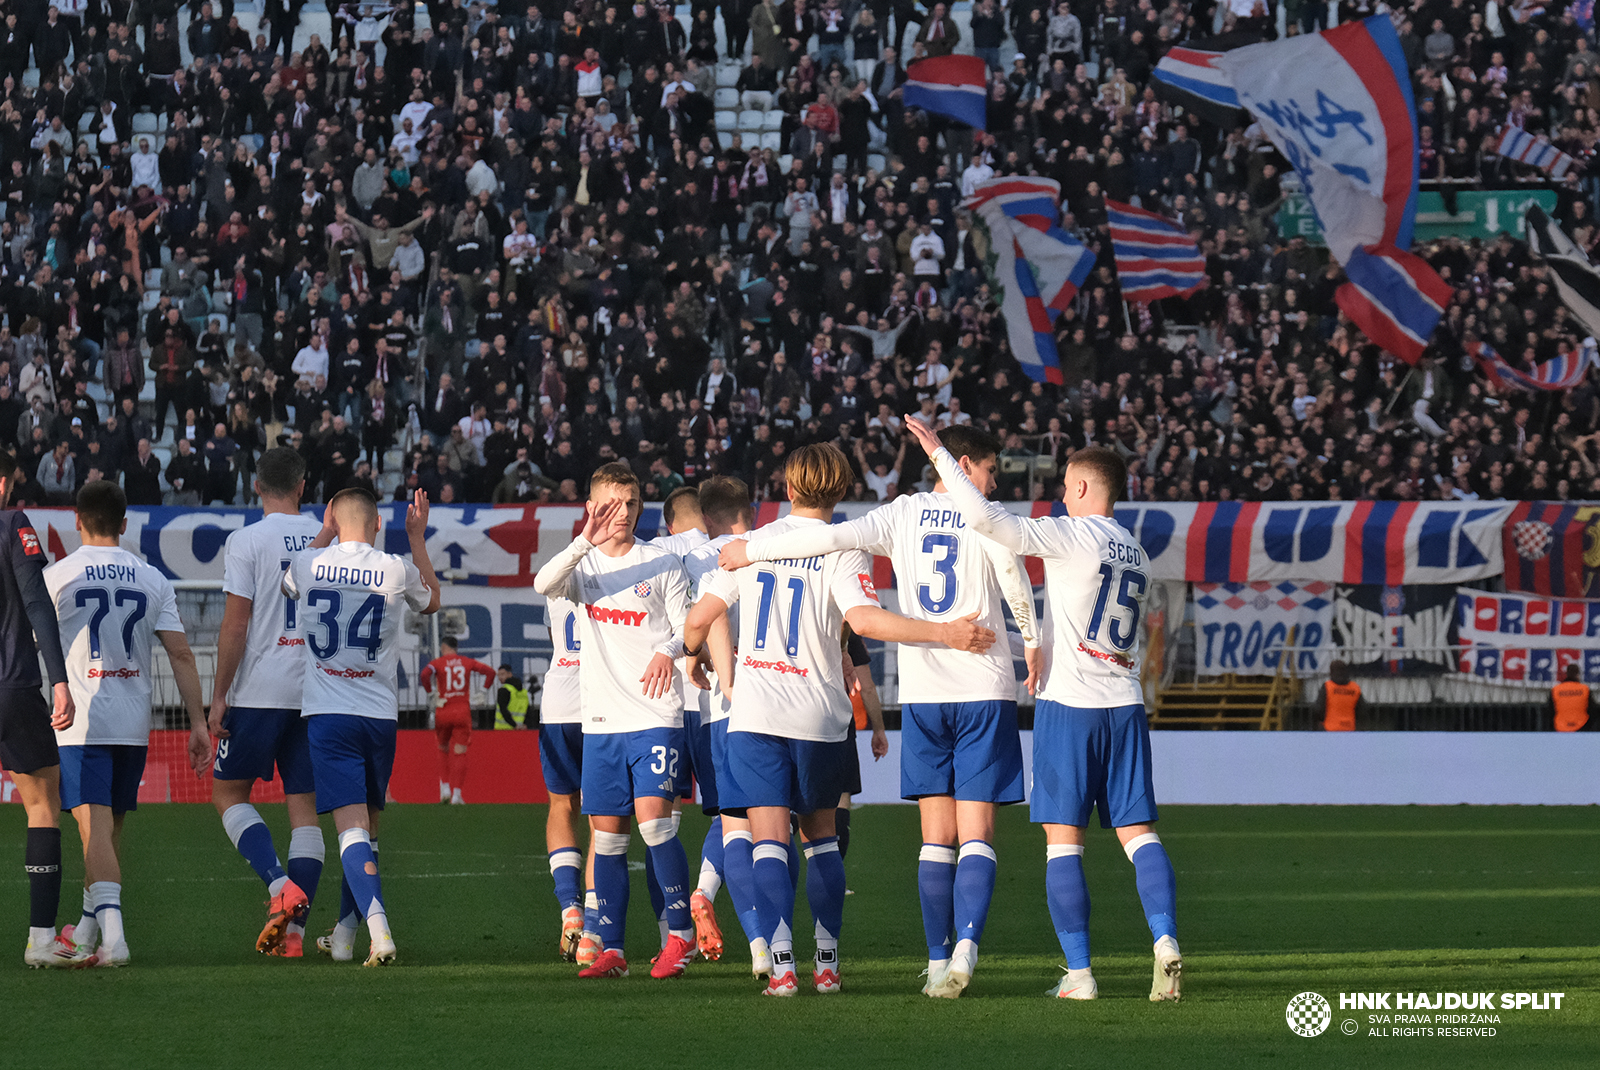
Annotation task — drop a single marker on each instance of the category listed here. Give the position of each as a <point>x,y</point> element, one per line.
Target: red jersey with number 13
<point>455,679</point>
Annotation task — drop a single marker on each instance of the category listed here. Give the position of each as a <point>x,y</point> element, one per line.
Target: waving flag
<point>1037,266</point>
<point>1338,105</point>
<point>1190,77</point>
<point>953,86</point>
<point>1562,372</point>
<point>1576,279</point>
<point>1517,144</point>
<point>1155,257</point>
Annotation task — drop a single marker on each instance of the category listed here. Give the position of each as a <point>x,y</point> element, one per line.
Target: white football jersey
<point>273,667</point>
<point>944,570</point>
<point>352,606</point>
<point>790,680</point>
<point>561,702</point>
<point>630,609</point>
<point>110,604</point>
<point>1095,577</point>
<point>681,546</point>
<point>700,563</point>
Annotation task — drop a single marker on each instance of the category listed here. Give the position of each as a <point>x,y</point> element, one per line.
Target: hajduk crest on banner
<point>1035,264</point>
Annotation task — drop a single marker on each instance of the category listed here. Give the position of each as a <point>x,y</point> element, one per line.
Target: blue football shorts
<point>619,767</point>
<point>797,774</point>
<point>102,774</point>
<point>260,739</point>
<point>969,750</point>
<point>561,757</point>
<point>1085,758</point>
<point>352,758</point>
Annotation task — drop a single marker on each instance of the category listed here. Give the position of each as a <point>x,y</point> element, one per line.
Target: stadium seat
<point>771,141</point>
<point>727,120</point>
<point>152,279</point>
<point>30,78</point>
<point>726,98</point>
<point>772,121</point>
<point>877,162</point>
<point>145,123</point>
<point>724,139</point>
<point>727,75</point>
<point>750,121</point>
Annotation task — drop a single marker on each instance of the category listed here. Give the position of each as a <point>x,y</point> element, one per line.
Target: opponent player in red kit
<point>452,721</point>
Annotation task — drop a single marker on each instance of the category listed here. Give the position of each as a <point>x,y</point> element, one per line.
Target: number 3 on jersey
<point>365,631</point>
<point>944,566</point>
<point>1126,598</point>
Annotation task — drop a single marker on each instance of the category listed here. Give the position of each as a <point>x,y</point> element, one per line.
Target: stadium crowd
<point>480,250</point>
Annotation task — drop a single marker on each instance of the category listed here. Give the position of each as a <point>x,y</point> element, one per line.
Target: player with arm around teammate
<point>353,598</point>
<point>788,746</point>
<point>1091,739</point>
<point>29,632</point>
<point>111,606</point>
<point>632,598</point>
<point>452,720</point>
<point>255,702</point>
<point>961,754</point>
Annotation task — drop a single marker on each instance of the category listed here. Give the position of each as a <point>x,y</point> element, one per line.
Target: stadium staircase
<point>1231,702</point>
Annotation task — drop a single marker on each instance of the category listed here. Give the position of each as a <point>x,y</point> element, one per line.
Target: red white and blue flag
<point>956,87</point>
<point>1561,372</point>
<point>1155,257</point>
<point>1339,106</point>
<point>1189,76</point>
<point>1038,266</point>
<point>1517,144</point>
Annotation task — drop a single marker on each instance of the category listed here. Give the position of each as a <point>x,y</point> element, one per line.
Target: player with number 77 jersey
<point>1091,739</point>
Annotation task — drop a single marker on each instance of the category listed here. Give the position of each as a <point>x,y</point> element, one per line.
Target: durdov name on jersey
<point>633,618</point>
<point>940,518</point>
<point>355,577</point>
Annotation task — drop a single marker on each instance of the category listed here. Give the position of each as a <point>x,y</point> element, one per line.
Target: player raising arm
<point>788,728</point>
<point>631,598</point>
<point>960,755</point>
<point>1091,740</point>
<point>255,702</point>
<point>452,720</point>
<point>27,744</point>
<point>353,597</point>
<point>112,605</point>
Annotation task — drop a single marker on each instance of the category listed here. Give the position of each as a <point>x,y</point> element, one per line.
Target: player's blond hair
<point>818,476</point>
<point>615,474</point>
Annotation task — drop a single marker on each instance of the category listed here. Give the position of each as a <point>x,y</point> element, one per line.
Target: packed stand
<point>483,255</point>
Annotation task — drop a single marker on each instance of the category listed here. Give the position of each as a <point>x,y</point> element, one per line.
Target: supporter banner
<point>1553,548</point>
<point>1514,639</point>
<point>1405,630</point>
<point>1207,542</point>
<point>1478,214</point>
<point>1242,627</point>
<point>1336,542</point>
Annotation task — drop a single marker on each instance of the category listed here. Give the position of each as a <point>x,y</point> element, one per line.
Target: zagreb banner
<point>1244,627</point>
<point>1515,639</point>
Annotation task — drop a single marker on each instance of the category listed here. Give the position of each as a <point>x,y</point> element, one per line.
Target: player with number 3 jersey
<point>788,746</point>
<point>1091,740</point>
<point>960,752</point>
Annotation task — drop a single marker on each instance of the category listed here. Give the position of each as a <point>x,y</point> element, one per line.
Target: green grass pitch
<point>1272,902</point>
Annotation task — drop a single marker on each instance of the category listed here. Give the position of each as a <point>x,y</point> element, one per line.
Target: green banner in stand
<point>1478,214</point>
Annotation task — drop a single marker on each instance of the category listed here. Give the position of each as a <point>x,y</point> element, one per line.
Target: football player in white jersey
<point>788,746</point>
<point>112,606</point>
<point>255,701</point>
<point>680,514</point>
<point>633,598</point>
<point>960,754</point>
<point>352,601</point>
<point>724,508</point>
<point>1091,740</point>
<point>561,761</point>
